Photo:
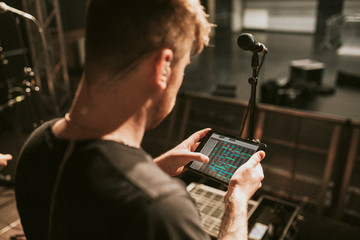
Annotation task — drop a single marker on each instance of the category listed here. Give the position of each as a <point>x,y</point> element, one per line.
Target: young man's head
<point>119,33</point>
<point>143,45</point>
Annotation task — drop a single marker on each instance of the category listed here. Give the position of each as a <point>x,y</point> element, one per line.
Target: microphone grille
<point>246,42</point>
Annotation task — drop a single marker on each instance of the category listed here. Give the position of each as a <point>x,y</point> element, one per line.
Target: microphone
<point>5,8</point>
<point>247,42</point>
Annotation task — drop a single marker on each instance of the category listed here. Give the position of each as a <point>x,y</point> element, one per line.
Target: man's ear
<point>163,67</point>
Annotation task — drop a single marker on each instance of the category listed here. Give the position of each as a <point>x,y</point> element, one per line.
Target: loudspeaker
<point>348,79</point>
<point>308,70</point>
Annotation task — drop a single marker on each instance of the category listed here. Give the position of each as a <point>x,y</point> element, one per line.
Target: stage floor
<point>226,63</point>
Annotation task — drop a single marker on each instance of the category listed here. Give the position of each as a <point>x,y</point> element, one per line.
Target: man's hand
<point>3,160</point>
<point>243,184</point>
<point>173,161</point>
<point>247,179</point>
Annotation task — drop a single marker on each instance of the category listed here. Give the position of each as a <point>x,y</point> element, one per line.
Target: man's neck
<point>113,116</point>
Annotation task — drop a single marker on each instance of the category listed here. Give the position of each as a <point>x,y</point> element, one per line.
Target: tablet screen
<point>226,154</point>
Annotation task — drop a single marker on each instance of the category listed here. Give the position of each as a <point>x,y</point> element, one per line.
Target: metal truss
<point>46,43</point>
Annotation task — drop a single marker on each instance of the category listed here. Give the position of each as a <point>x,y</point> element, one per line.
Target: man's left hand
<point>173,161</point>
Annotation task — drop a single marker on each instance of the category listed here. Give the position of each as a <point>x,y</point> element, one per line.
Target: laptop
<point>210,202</point>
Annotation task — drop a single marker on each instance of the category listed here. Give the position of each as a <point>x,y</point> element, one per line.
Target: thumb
<point>256,158</point>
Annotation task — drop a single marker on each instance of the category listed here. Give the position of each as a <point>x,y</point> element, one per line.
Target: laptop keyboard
<point>210,202</point>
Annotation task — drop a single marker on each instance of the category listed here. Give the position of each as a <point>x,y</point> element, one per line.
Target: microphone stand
<point>253,82</point>
<point>248,43</point>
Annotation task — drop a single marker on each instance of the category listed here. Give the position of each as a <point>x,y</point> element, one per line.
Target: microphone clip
<point>260,48</point>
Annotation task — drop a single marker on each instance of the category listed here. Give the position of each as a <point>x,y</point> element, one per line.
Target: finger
<point>6,156</point>
<point>195,137</point>
<point>260,171</point>
<point>256,158</point>
<point>3,164</point>
<point>199,157</point>
<point>194,156</point>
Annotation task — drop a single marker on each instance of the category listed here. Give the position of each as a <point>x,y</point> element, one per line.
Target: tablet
<point>226,154</point>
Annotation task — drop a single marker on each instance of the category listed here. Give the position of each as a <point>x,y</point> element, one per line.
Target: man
<point>85,176</point>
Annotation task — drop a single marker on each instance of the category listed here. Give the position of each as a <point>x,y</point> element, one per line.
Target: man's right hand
<point>243,184</point>
<point>247,179</point>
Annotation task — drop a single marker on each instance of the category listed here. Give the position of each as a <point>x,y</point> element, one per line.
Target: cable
<point>261,63</point>
<point>68,151</point>
<point>245,117</point>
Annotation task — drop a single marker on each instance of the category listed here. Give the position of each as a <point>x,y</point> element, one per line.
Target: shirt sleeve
<point>175,217</point>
